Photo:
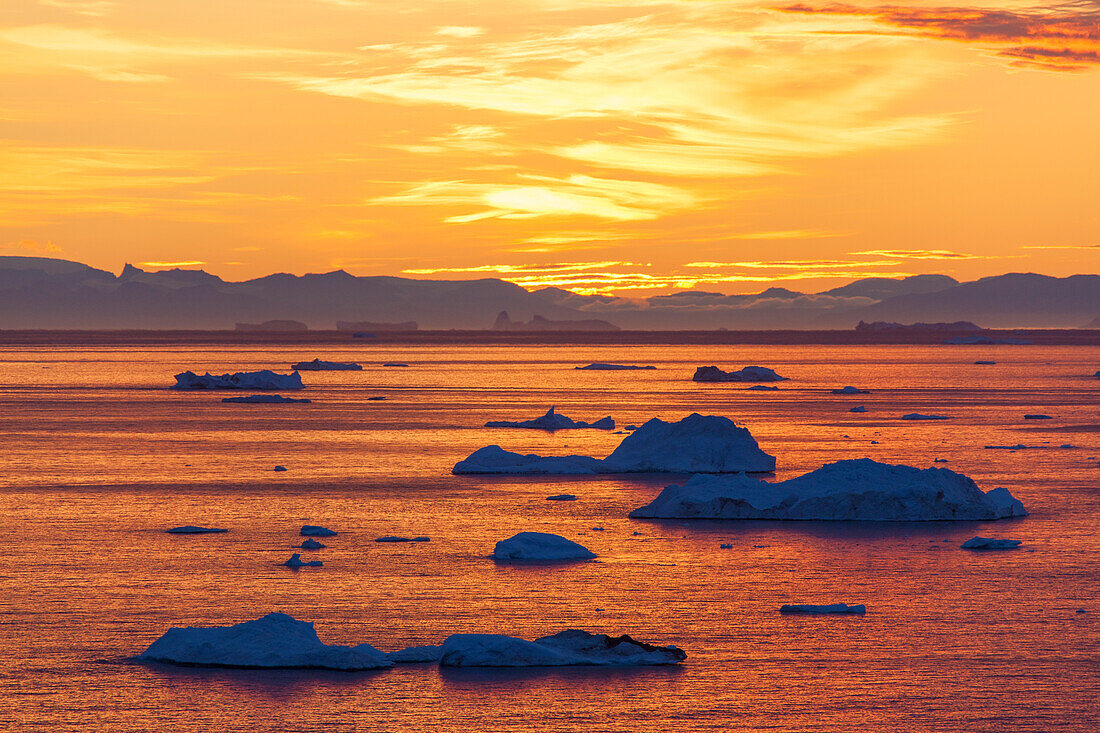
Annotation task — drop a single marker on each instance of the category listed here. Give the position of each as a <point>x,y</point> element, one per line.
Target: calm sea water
<point>97,458</point>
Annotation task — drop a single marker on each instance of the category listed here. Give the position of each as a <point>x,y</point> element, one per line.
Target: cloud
<point>32,246</point>
<point>1062,37</point>
<point>921,254</point>
<point>792,264</point>
<point>513,269</point>
<point>459,31</point>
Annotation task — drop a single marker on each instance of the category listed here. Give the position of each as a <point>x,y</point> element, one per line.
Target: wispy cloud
<point>808,265</point>
<point>921,254</point>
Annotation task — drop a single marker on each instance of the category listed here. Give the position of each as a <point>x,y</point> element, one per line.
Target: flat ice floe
<point>553,421</point>
<point>568,648</point>
<point>919,416</point>
<point>860,408</point>
<point>396,538</point>
<point>827,608</point>
<point>327,366</point>
<point>988,543</point>
<point>273,399</point>
<point>601,367</point>
<point>540,547</point>
<point>695,444</point>
<point>264,379</point>
<point>273,641</point>
<point>745,374</point>
<point>312,530</point>
<point>191,529</point>
<point>852,490</point>
<point>850,390</point>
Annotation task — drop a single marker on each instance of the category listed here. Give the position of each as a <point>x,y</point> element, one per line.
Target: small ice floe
<point>850,390</point>
<point>598,529</point>
<point>395,538</point>
<point>190,529</point>
<point>859,408</point>
<point>1080,610</point>
<point>696,444</point>
<point>375,399</point>
<point>296,561</point>
<point>726,546</point>
<point>262,380</point>
<point>601,367</point>
<point>919,416</point>
<point>395,364</point>
<point>416,654</point>
<point>811,608</point>
<point>762,388</point>
<point>263,399</point>
<point>984,361</point>
<point>539,547</point>
<point>312,530</point>
<point>940,460</point>
<point>327,366</point>
<point>852,490</point>
<point>988,543</point>
<point>279,468</point>
<point>1018,446</point>
<point>568,648</point>
<point>312,545</point>
<point>274,641</point>
<point>745,374</point>
<point>562,497</point>
<point>553,421</point>
<point>1038,417</point>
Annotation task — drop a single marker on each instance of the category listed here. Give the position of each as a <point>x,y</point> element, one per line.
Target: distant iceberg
<point>540,547</point>
<point>850,390</point>
<point>695,444</point>
<point>326,366</point>
<point>312,530</point>
<point>264,379</point>
<point>859,408</point>
<point>395,538</point>
<point>253,399</point>
<point>568,648</point>
<point>296,561</point>
<point>851,490</point>
<point>746,374</point>
<point>1038,417</point>
<point>190,529</point>
<point>601,367</point>
<point>311,545</point>
<point>273,641</point>
<point>810,608</point>
<point>562,497</point>
<point>988,543</point>
<point>553,421</point>
<point>918,416</point>
<point>762,388</point>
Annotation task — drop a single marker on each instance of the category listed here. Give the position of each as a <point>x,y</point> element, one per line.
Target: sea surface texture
<point>98,458</point>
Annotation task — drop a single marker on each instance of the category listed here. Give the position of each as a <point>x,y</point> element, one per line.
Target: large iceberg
<point>568,648</point>
<point>695,444</point>
<point>263,379</point>
<point>326,366</point>
<point>602,367</point>
<point>539,547</point>
<point>860,489</point>
<point>276,640</point>
<point>746,374</point>
<point>553,421</point>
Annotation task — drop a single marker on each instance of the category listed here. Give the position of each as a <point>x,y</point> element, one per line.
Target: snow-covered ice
<point>553,421</point>
<point>919,416</point>
<point>296,561</point>
<point>822,609</point>
<point>850,390</point>
<point>695,444</point>
<point>602,367</point>
<point>860,489</point>
<point>264,379</point>
<point>539,547</point>
<point>988,543</point>
<point>264,399</point>
<point>327,366</point>
<point>191,529</point>
<point>273,641</point>
<point>745,374</point>
<point>311,530</point>
<point>568,648</point>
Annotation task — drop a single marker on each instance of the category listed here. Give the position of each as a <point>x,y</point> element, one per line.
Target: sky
<point>633,147</point>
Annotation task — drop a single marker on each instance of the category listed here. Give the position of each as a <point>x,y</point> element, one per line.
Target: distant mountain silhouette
<point>44,293</point>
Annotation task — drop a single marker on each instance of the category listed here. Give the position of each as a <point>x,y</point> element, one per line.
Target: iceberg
<point>850,390</point>
<point>296,561</point>
<point>263,380</point>
<point>568,648</point>
<point>762,388</point>
<point>553,421</point>
<point>395,364</point>
<point>264,399</point>
<point>375,399</point>
<point>985,362</point>
<point>745,374</point>
<point>326,366</point>
<point>851,490</point>
<point>311,545</point>
<point>562,497</point>
<point>918,416</point>
<point>1038,417</point>
<point>822,609</point>
<point>695,444</point>
<point>273,641</point>
<point>279,468</point>
<point>190,529</point>
<point>539,547</point>
<point>988,543</point>
<point>601,367</point>
<point>395,538</point>
<point>311,530</point>
<point>860,408</point>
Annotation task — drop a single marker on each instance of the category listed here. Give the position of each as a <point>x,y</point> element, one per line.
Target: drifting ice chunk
<point>494,459</point>
<point>552,421</point>
<point>417,654</point>
<point>860,490</point>
<point>762,388</point>
<point>189,529</point>
<point>985,361</point>
<point>562,497</point>
<point>279,468</point>
<point>827,608</point>
<point>1038,417</point>
<point>745,374</point>
<point>296,561</point>
<point>395,538</point>
<point>569,648</point>
<point>988,543</point>
<point>861,408</point>
<point>395,364</point>
<point>311,545</point>
<point>918,416</point>
<point>850,390</point>
<point>276,640</point>
<point>310,530</point>
<point>601,367</point>
<point>264,379</point>
<point>537,547</point>
<point>327,366</point>
<point>253,399</point>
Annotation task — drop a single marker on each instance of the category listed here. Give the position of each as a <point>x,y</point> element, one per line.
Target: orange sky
<point>600,145</point>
